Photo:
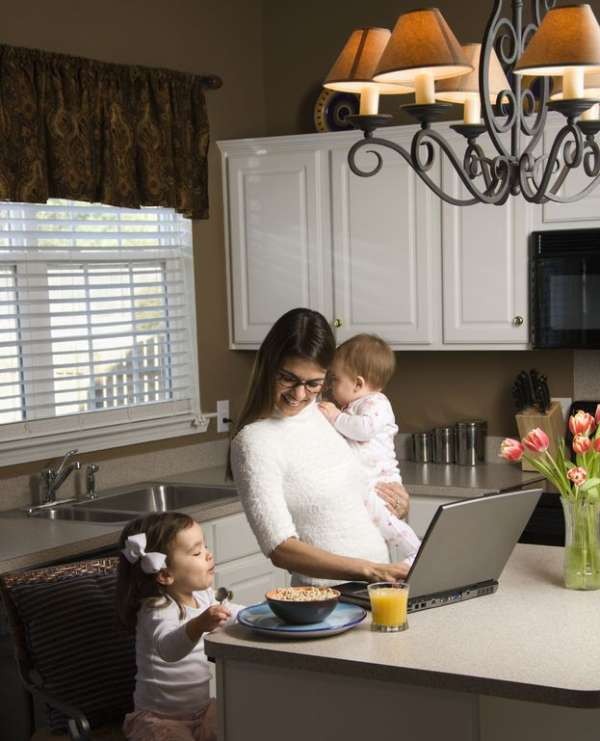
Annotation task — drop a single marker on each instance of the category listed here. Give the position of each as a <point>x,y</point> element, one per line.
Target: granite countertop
<point>26,542</point>
<point>467,647</point>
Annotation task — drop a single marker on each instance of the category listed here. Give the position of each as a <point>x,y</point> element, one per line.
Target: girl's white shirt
<point>297,478</point>
<point>369,426</point>
<point>173,673</point>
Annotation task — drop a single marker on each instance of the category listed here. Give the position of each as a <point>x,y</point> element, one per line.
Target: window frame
<point>38,439</point>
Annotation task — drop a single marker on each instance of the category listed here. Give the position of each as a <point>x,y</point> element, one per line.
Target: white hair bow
<point>135,548</point>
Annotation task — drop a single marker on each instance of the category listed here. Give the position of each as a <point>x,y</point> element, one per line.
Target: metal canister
<point>470,442</point>
<point>422,447</point>
<point>444,444</point>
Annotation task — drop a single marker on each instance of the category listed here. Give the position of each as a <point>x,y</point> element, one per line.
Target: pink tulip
<point>597,418</point>
<point>596,445</point>
<point>577,475</point>
<point>582,423</point>
<point>536,440</point>
<point>511,450</point>
<point>581,443</point>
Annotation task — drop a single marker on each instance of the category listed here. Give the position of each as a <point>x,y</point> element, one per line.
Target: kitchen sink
<point>79,514</point>
<point>160,498</point>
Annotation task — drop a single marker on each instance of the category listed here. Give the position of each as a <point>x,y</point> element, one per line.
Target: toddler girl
<point>361,368</point>
<point>164,594</point>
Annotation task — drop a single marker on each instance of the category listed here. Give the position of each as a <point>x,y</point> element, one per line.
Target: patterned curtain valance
<point>91,131</point>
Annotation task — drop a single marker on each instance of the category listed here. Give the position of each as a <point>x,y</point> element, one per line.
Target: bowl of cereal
<point>302,604</point>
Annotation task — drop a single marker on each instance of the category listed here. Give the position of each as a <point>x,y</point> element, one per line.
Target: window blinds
<point>96,312</point>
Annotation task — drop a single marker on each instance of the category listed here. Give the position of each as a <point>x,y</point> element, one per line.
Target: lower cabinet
<point>240,565</point>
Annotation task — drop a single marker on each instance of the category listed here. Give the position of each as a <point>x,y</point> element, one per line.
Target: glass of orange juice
<point>389,605</point>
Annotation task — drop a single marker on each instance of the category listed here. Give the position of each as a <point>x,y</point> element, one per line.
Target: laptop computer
<point>464,551</point>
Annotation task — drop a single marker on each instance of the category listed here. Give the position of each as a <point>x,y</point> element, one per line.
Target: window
<point>97,328</point>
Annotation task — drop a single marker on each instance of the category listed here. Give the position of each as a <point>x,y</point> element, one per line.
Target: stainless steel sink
<point>79,514</point>
<point>160,498</point>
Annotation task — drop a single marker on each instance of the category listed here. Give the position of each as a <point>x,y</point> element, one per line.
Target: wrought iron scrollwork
<point>513,167</point>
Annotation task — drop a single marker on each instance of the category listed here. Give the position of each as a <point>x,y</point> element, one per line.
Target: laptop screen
<point>470,541</point>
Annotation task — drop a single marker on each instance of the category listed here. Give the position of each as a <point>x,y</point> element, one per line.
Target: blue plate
<point>261,619</point>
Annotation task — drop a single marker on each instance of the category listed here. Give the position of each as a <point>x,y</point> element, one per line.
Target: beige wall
<point>218,37</point>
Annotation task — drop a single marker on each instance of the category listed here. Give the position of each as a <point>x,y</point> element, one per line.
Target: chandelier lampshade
<point>421,49</point>
<point>568,36</point>
<point>465,89</point>
<point>354,68</point>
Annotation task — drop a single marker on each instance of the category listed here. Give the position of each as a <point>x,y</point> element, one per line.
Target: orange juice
<point>389,607</point>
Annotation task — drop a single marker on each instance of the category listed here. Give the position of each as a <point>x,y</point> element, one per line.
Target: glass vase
<point>582,543</point>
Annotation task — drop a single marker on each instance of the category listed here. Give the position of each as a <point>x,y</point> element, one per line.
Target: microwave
<point>564,289</point>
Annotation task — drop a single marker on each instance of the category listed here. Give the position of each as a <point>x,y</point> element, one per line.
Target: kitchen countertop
<point>466,647</point>
<point>27,542</point>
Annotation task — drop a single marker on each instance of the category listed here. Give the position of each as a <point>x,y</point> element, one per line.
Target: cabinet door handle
<point>337,323</point>
<point>517,321</point>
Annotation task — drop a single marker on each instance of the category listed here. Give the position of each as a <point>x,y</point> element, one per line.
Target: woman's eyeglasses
<point>290,381</point>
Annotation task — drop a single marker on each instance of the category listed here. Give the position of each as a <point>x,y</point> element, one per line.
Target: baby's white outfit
<point>369,426</point>
<point>172,671</point>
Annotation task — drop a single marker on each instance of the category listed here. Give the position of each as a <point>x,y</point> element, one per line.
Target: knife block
<point>552,423</point>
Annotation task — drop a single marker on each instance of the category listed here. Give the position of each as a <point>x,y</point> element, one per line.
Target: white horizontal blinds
<point>12,401</point>
<point>101,307</point>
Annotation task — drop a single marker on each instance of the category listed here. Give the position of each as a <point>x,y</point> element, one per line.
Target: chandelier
<point>422,56</point>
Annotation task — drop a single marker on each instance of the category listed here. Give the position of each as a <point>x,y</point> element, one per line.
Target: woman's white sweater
<point>297,477</point>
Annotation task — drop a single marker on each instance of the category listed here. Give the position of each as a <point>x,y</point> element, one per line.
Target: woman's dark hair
<point>133,585</point>
<point>299,333</point>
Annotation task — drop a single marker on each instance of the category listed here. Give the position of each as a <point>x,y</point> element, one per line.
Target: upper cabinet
<point>279,237</point>
<point>583,214</point>
<point>377,254</point>
<point>386,251</point>
<point>484,269</point>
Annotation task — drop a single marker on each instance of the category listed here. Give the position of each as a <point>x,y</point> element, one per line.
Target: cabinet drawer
<point>248,579</point>
<point>233,538</point>
<point>422,510</point>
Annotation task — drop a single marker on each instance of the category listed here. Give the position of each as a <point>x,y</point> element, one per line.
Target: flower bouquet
<point>578,482</point>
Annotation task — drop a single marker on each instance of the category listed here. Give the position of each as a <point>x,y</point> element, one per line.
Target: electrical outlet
<point>222,415</point>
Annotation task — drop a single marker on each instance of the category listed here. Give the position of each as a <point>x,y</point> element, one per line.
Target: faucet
<point>90,479</point>
<point>55,478</point>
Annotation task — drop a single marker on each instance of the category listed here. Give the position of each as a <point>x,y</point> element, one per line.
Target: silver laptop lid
<point>469,541</point>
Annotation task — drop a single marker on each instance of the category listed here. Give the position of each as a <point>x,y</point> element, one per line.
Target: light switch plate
<point>223,414</point>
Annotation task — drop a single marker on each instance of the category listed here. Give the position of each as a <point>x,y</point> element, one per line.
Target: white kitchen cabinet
<point>583,214</point>
<point>277,218</point>
<point>484,269</point>
<point>386,250</point>
<point>422,509</point>
<point>378,254</point>
<point>248,578</point>
<point>240,564</point>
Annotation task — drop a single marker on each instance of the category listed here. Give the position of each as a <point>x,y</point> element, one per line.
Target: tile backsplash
<point>586,375</point>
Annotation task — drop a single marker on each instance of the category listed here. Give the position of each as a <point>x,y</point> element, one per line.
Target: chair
<point>70,652</point>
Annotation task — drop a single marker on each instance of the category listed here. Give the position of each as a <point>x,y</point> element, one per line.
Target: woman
<point>300,484</point>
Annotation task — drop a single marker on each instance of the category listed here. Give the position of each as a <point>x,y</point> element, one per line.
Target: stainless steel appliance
<point>564,288</point>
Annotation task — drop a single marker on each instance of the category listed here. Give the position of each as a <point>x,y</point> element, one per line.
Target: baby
<point>361,368</point>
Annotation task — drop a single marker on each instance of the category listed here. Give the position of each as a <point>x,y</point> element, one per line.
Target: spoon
<point>223,594</point>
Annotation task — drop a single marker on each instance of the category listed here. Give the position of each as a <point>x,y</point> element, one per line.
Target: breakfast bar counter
<point>523,663</point>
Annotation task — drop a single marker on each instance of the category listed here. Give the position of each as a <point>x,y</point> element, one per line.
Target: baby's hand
<point>329,410</point>
<point>213,617</point>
